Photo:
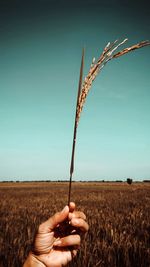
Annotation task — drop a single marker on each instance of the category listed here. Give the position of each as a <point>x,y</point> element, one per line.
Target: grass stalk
<point>108,54</point>
<point>75,127</point>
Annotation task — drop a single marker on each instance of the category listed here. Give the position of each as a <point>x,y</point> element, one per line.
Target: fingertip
<point>72,206</point>
<point>72,203</point>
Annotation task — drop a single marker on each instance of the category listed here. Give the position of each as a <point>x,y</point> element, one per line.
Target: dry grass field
<point>118,215</point>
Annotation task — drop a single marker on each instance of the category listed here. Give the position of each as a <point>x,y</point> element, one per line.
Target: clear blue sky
<point>40,53</point>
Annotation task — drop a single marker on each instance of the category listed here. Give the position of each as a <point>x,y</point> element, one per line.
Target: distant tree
<point>129,180</point>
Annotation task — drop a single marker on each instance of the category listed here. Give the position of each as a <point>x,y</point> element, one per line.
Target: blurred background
<point>40,52</point>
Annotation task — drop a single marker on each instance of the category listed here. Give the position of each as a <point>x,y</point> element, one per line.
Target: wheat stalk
<point>107,54</point>
<point>75,127</point>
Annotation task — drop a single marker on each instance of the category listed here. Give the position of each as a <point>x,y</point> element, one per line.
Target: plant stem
<point>75,127</point>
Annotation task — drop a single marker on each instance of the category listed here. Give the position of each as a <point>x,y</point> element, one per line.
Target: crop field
<point>118,215</point>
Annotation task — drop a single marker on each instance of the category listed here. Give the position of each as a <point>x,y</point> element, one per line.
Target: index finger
<point>72,206</point>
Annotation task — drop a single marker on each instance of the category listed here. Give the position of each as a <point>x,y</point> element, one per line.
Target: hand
<point>58,239</point>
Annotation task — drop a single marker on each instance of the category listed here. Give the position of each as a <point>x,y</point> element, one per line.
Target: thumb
<point>53,221</point>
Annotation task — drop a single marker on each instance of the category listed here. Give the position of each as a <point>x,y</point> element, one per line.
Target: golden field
<point>118,215</point>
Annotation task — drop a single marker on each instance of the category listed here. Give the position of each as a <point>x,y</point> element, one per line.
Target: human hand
<point>58,239</point>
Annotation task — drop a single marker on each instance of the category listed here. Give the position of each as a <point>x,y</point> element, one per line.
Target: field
<point>118,215</point>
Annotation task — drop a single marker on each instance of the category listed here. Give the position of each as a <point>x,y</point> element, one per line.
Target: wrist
<point>32,261</point>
